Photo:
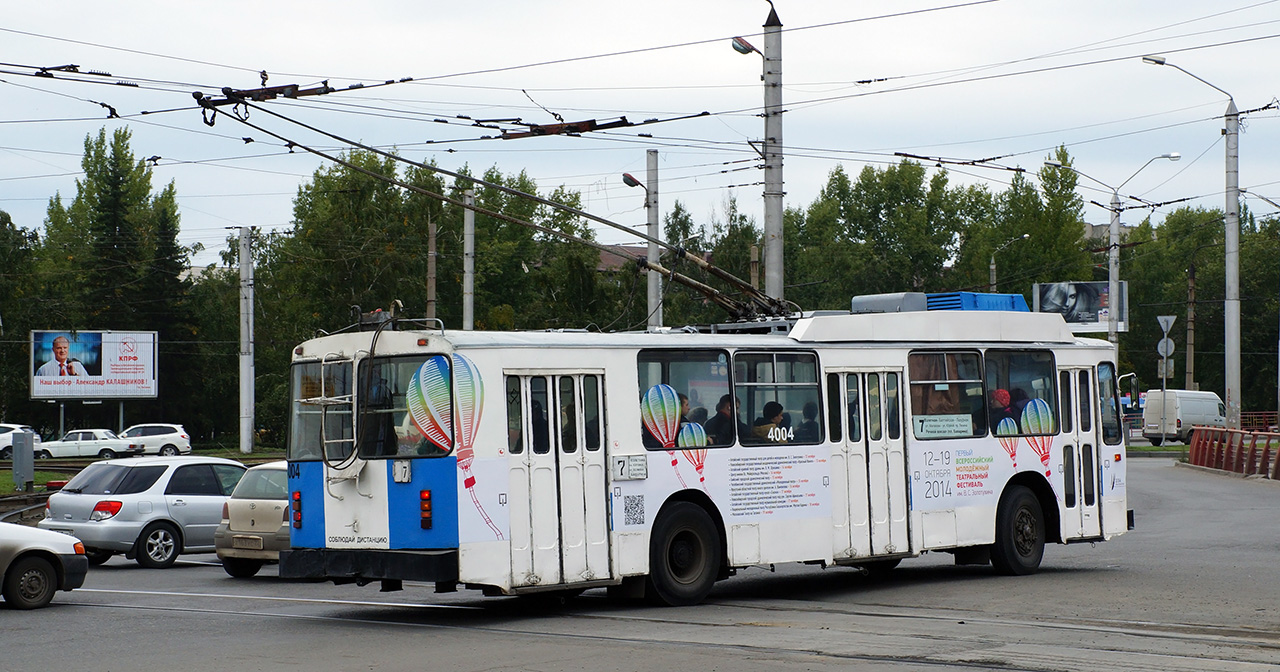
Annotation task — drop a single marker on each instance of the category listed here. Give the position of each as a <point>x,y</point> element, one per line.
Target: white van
<point>1184,409</point>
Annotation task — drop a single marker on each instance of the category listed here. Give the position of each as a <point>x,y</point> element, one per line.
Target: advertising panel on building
<point>93,364</point>
<point>1084,305</point>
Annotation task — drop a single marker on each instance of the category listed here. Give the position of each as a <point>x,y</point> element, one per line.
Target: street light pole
<point>771,149</point>
<point>1231,306</point>
<point>993,257</point>
<point>1113,247</point>
<point>654,279</point>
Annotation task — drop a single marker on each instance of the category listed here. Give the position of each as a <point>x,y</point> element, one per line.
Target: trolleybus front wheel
<point>684,556</point>
<point>1020,533</point>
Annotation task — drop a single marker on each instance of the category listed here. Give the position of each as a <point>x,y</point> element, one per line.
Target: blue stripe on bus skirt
<point>404,502</point>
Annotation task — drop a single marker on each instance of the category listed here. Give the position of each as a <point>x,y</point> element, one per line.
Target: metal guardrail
<point>1236,450</point>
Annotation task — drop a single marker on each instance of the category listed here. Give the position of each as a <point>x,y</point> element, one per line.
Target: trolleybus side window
<point>854,410</point>
<point>568,416</point>
<point>874,429</point>
<point>321,399</point>
<point>405,407</point>
<point>833,406</point>
<point>780,392</point>
<point>946,395</point>
<point>515,417</point>
<point>1026,378</point>
<point>892,410</point>
<point>538,405</point>
<point>592,422</point>
<point>1107,396</point>
<point>683,388</point>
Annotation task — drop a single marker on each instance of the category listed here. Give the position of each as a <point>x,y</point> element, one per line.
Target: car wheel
<point>1020,533</point>
<point>684,556</point>
<point>6,453</point>
<point>107,454</point>
<point>98,557</point>
<point>169,450</point>
<point>44,455</point>
<point>158,546</point>
<point>30,584</point>
<point>1156,442</point>
<point>241,568</point>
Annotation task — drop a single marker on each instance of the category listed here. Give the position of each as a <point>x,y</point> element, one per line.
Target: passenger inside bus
<point>765,426</point>
<point>721,426</point>
<point>1001,409</point>
<point>808,431</point>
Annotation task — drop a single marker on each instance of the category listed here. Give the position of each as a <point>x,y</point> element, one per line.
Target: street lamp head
<point>630,181</point>
<point>1172,156</point>
<point>1054,164</point>
<point>743,47</point>
<point>1153,60</point>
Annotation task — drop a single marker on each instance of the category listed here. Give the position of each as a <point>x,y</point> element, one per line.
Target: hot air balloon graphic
<point>430,402</point>
<point>693,439</point>
<point>1006,433</point>
<point>1037,418</point>
<point>660,413</point>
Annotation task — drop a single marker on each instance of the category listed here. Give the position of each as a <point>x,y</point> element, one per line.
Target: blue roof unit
<point>976,301</point>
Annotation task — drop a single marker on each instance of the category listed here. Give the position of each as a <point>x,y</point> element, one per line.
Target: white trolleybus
<point>658,463</point>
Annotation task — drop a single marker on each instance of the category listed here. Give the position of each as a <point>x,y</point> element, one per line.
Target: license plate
<point>69,533</point>
<point>251,543</point>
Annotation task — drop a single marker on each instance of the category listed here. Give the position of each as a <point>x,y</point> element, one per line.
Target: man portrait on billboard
<point>62,363</point>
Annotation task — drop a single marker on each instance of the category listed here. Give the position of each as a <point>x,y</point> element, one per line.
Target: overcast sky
<point>1003,78</point>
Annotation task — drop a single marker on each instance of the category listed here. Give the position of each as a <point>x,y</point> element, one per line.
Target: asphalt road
<point>1194,587</point>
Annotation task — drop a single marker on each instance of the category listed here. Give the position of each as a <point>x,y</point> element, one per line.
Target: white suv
<point>159,439</point>
<point>6,439</point>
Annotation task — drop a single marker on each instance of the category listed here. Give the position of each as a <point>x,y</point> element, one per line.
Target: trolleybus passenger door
<point>1080,467</point>
<point>871,504</point>
<point>558,525</point>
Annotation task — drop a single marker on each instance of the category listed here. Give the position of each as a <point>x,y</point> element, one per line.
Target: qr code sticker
<point>633,510</point>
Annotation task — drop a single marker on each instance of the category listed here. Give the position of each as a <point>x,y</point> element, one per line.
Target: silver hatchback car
<point>255,521</point>
<point>148,508</point>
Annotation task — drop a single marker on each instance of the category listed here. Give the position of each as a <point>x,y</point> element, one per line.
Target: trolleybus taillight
<point>297,509</point>
<point>425,497</point>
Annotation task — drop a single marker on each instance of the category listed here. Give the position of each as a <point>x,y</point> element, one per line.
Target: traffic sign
<point>1165,347</point>
<point>1166,322</point>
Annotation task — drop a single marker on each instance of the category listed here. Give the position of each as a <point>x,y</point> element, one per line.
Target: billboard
<point>93,364</point>
<point>1084,305</point>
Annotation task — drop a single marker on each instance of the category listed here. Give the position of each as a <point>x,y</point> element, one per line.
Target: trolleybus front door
<point>559,529</point>
<point>869,485</point>
<point>1081,471</point>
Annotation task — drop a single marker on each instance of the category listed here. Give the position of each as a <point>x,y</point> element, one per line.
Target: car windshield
<point>263,484</point>
<point>106,433</point>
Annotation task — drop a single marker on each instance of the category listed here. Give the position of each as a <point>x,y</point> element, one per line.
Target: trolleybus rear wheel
<point>684,556</point>
<point>1020,533</point>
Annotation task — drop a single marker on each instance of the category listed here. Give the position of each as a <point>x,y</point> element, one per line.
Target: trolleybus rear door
<point>558,525</point>
<point>871,503</point>
<point>1080,467</point>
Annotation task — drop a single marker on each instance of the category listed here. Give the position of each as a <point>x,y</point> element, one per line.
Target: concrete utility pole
<point>431,267</point>
<point>651,209</point>
<point>468,261</point>
<point>246,343</point>
<point>1191,383</point>
<point>1231,306</point>
<point>773,185</point>
<point>1231,309</point>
